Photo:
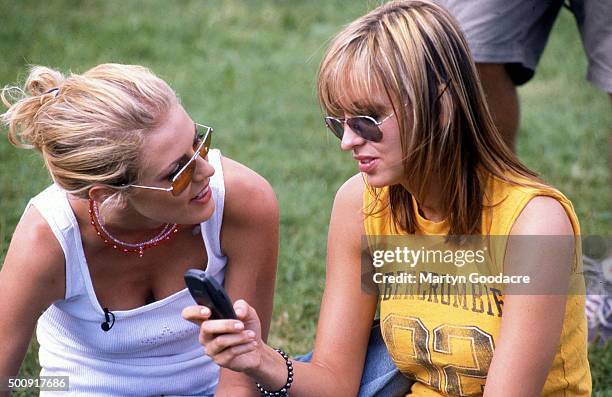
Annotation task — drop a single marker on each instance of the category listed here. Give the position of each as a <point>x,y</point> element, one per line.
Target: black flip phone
<point>207,292</point>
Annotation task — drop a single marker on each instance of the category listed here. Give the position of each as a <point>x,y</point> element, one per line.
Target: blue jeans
<point>380,377</point>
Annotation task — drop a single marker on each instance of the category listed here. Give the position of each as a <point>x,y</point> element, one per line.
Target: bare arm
<point>249,238</point>
<point>32,277</point>
<point>531,325</point>
<point>346,316</point>
<point>344,324</point>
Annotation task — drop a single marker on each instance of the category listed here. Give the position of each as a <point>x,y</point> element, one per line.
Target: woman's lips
<point>203,196</point>
<point>367,164</point>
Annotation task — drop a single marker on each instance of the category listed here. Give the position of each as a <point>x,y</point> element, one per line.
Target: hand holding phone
<point>240,347</point>
<point>206,291</point>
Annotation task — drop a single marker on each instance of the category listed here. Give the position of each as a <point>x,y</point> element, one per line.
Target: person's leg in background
<point>506,38</point>
<point>594,21</point>
<point>502,98</point>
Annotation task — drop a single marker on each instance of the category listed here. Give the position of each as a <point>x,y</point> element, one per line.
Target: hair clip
<point>53,89</point>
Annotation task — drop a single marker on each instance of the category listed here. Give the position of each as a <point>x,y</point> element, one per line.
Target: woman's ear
<point>99,193</point>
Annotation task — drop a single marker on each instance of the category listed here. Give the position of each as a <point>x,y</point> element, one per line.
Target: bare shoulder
<point>248,195</point>
<point>35,259</point>
<point>348,203</point>
<point>249,234</point>
<point>543,215</point>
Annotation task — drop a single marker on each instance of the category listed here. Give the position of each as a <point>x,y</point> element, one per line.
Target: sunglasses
<point>365,126</point>
<point>182,179</point>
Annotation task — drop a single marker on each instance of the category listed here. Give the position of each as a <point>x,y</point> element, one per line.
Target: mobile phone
<point>206,291</point>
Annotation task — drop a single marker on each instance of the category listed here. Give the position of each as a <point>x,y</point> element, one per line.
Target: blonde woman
<point>96,262</point>
<point>400,91</point>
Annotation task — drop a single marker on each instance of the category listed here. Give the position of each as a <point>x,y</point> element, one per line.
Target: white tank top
<point>150,350</point>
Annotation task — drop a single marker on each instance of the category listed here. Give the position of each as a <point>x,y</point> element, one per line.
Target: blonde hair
<point>89,128</point>
<point>415,54</point>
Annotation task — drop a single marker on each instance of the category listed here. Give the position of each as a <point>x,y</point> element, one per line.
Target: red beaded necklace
<point>167,231</point>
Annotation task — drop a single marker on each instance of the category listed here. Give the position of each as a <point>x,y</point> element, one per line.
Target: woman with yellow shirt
<point>401,93</point>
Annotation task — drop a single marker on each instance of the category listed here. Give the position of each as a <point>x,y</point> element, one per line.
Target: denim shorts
<point>380,377</point>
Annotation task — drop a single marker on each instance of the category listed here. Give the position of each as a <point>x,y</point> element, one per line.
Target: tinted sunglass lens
<point>183,179</point>
<point>365,128</point>
<point>206,147</point>
<point>336,126</point>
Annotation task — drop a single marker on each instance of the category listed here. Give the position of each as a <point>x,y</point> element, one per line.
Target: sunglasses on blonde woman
<point>365,126</point>
<point>182,179</point>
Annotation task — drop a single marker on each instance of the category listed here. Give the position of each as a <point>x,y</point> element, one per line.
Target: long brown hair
<point>415,52</point>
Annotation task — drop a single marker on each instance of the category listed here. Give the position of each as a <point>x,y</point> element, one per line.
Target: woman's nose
<point>350,139</point>
<point>203,169</point>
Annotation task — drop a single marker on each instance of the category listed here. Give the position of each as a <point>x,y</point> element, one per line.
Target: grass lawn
<point>248,69</point>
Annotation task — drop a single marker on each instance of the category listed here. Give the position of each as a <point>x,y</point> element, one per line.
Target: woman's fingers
<point>222,326</point>
<point>226,357</point>
<point>229,343</point>
<point>196,314</point>
<point>242,309</point>
<point>248,315</point>
<point>217,345</point>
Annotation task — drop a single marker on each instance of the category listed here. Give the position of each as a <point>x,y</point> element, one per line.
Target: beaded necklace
<point>167,231</point>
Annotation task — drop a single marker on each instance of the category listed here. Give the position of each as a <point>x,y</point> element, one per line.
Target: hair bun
<point>24,106</point>
<point>42,79</point>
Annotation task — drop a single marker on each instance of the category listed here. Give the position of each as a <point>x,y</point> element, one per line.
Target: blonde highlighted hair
<point>89,128</point>
<point>414,53</point>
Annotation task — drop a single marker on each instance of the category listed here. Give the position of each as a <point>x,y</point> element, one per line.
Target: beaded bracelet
<point>283,392</point>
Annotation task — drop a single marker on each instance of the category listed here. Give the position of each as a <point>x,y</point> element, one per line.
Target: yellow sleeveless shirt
<point>447,347</point>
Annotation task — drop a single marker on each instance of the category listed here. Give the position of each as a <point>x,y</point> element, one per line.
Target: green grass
<point>602,376</point>
<point>248,69</point>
